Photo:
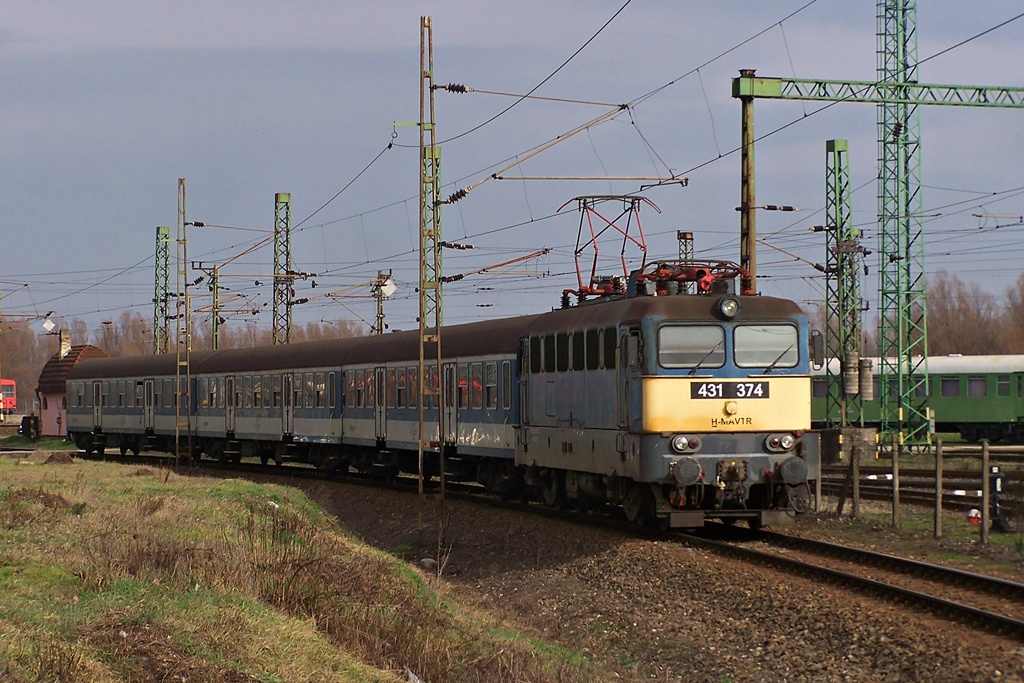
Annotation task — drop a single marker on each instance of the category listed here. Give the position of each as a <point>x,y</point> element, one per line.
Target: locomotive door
<point>524,381</point>
<point>147,410</point>
<point>380,413</point>
<point>449,400</point>
<point>627,374</point>
<point>229,405</point>
<point>287,404</point>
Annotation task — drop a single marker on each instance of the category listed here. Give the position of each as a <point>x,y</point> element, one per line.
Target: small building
<point>53,380</point>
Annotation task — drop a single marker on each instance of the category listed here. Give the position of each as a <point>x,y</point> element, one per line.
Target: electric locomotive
<point>678,407</point>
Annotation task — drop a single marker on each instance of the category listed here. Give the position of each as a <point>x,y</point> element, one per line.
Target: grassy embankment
<point>112,573</point>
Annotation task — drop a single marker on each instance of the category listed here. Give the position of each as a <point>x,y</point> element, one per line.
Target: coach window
<point>549,353</point>
<point>432,385</point>
<point>204,391</point>
<point>307,393</point>
<point>414,392</point>
<point>819,387</point>
<point>562,352</point>
<point>477,387</point>
<point>463,385</point>
<point>140,394</point>
<point>320,390</point>
<point>977,387</point>
<point>1002,385</point>
<point>491,385</point>
<point>332,390</point>
<point>350,389</point>
<point>535,355</point>
<point>360,389</point>
<point>400,395</point>
<point>766,346</point>
<point>371,400</point>
<point>691,346</point>
<point>392,387</point>
<point>506,385</point>
<point>950,387</point>
<point>608,350</point>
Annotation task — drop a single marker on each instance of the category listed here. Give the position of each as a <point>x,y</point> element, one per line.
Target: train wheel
<point>122,448</point>
<point>633,504</point>
<point>554,490</point>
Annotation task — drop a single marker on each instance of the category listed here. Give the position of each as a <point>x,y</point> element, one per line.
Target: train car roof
<point>500,336</point>
<point>955,364</point>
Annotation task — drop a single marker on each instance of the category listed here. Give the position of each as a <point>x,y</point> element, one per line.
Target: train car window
<point>506,385</point>
<point>257,391</point>
<point>320,390</point>
<point>477,387</point>
<point>463,385</point>
<point>140,394</point>
<point>433,387</point>
<point>950,387</point>
<point>168,393</point>
<point>561,352</point>
<point>691,346</point>
<point>593,342</point>
<point>268,390</point>
<point>491,385</point>
<point>391,385</point>
<point>360,389</point>
<point>332,390</point>
<point>297,390</point>
<point>578,356</point>
<point>371,401</point>
<point>400,388</point>
<point>549,353</point>
<point>977,387</point>
<point>120,394</point>
<point>535,355</point>
<point>247,391</point>
<point>919,388</point>
<point>350,389</point>
<point>1002,385</point>
<point>766,346</point>
<point>414,392</point>
<point>307,390</point>
<point>204,392</point>
<point>819,387</point>
<point>608,351</point>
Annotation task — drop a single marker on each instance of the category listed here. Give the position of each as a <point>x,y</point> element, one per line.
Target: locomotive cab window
<point>691,346</point>
<point>766,346</point>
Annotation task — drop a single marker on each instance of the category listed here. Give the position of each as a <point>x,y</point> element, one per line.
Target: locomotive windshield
<point>766,346</point>
<point>687,346</point>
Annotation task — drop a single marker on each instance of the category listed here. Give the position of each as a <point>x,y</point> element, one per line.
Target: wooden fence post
<point>938,489</point>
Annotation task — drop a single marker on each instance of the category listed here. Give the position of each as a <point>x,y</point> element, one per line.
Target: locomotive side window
<point>562,352</point>
<point>691,346</point>
<point>535,355</point>
<point>506,385</point>
<point>549,353</point>
<point>766,346</point>
<point>592,343</point>
<point>976,387</point>
<point>1002,385</point>
<point>609,348</point>
<point>578,355</point>
<point>950,387</point>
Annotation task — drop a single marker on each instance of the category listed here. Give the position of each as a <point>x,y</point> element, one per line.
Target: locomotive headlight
<point>780,443</point>
<point>787,441</point>
<point>680,443</point>
<point>729,307</point>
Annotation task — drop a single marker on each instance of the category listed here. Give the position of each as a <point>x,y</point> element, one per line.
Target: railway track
<point>989,603</point>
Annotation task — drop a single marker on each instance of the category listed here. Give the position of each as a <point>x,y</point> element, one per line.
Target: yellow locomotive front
<point>720,405</point>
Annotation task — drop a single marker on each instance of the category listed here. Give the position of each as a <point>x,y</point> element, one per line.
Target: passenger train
<point>676,407</point>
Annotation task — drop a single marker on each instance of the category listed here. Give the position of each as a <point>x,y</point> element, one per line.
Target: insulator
<point>897,129</point>
<point>300,301</point>
<point>198,224</point>
<point>851,373</point>
<point>198,280</point>
<point>455,87</point>
<point>457,196</point>
<point>565,299</point>
<point>867,380</point>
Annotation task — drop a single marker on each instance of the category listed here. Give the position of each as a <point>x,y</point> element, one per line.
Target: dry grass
<point>157,577</point>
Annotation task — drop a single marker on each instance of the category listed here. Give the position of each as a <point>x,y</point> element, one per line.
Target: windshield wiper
<point>775,362</point>
<point>707,355</point>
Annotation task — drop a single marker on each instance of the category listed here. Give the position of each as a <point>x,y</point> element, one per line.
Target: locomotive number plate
<point>729,390</point>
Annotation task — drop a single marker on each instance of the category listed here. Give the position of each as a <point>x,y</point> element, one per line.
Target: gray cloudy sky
<point>104,105</point>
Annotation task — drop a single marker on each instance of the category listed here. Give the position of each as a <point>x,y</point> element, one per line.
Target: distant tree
<point>1012,328</point>
<point>962,318</point>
